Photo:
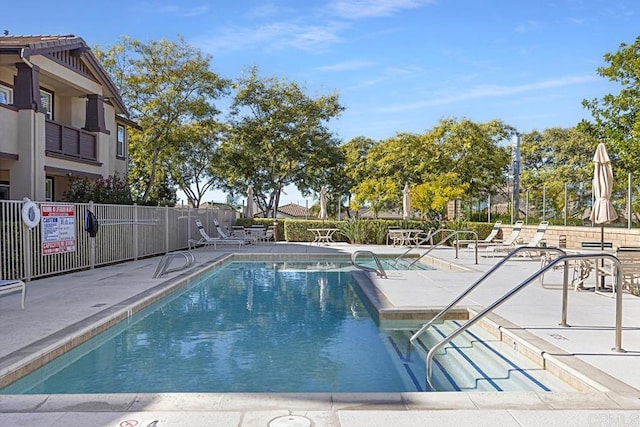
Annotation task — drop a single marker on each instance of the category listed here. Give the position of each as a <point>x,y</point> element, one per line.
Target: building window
<point>6,94</point>
<point>46,99</point>
<point>4,190</point>
<point>48,189</point>
<point>121,140</point>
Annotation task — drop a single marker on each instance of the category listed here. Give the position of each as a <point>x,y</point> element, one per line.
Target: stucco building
<point>60,116</point>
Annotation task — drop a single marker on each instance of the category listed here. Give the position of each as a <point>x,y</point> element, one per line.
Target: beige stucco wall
<point>27,174</point>
<point>576,235</point>
<point>8,131</point>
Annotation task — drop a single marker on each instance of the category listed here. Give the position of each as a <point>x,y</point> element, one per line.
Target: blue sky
<point>398,65</point>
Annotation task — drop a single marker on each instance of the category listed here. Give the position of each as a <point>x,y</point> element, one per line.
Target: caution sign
<point>58,229</point>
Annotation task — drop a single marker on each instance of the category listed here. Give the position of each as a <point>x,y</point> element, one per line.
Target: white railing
<point>125,232</point>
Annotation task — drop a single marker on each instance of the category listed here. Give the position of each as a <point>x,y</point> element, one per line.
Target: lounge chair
<point>206,240</point>
<point>7,286</point>
<point>509,243</point>
<point>489,240</point>
<point>238,234</point>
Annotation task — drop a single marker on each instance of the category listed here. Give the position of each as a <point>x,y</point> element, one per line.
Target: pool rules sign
<point>58,229</point>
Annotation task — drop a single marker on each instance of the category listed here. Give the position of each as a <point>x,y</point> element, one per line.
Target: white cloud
<point>274,36</point>
<point>347,66</point>
<point>183,11</point>
<point>357,9</point>
<point>491,91</point>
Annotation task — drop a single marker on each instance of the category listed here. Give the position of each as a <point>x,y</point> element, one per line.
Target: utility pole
<point>515,158</point>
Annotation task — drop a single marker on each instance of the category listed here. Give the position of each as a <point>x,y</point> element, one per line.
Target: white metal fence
<point>125,233</point>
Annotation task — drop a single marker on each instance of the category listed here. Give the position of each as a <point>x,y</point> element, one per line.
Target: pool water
<point>249,327</point>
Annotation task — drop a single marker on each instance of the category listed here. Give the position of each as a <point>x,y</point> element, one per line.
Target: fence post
<point>135,231</point>
<point>166,228</point>
<point>92,244</point>
<point>27,244</point>
<point>629,206</point>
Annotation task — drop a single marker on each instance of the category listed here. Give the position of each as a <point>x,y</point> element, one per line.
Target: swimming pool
<point>250,327</point>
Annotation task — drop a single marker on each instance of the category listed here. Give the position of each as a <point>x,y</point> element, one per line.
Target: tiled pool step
<point>474,361</point>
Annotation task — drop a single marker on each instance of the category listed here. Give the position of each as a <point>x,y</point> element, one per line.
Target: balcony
<point>70,142</point>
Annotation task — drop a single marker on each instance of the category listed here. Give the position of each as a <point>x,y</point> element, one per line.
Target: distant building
<point>61,115</point>
<point>288,211</point>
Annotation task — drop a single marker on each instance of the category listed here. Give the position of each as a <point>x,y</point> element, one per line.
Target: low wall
<point>575,235</point>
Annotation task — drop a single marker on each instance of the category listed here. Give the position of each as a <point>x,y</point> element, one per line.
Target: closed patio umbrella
<point>406,203</point>
<point>249,208</point>
<point>323,204</point>
<point>602,211</point>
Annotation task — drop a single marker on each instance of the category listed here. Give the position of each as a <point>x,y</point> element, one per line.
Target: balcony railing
<point>70,142</point>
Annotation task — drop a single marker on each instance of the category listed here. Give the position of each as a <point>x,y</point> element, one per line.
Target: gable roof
<point>31,45</point>
<point>294,210</point>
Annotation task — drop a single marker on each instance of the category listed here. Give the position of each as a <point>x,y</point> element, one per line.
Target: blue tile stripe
<point>473,364</point>
<point>508,361</point>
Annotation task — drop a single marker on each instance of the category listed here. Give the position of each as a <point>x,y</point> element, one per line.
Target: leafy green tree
<point>616,117</point>
<point>355,169</point>
<point>430,198</point>
<point>472,151</point>
<point>166,85</point>
<point>278,136</point>
<point>552,159</point>
<point>194,164</point>
<point>377,193</point>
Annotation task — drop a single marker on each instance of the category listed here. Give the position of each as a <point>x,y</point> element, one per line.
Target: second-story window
<point>46,98</point>
<point>6,94</point>
<point>121,141</point>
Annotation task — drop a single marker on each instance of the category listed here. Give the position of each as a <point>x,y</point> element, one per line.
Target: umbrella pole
<point>602,260</point>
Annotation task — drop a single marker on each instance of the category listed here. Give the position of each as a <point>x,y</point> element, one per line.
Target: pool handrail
<point>475,284</point>
<point>451,234</point>
<point>163,265</point>
<point>429,237</point>
<point>379,271</point>
<point>565,286</point>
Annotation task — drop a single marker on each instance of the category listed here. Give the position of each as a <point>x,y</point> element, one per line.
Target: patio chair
<point>206,240</point>
<point>508,244</point>
<point>629,257</point>
<point>238,234</point>
<point>7,286</point>
<point>489,240</point>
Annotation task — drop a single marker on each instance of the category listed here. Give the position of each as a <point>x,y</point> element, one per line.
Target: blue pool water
<point>255,327</point>
<point>268,327</point>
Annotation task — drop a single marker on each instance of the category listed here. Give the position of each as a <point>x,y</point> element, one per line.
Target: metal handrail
<point>563,258</point>
<point>429,237</point>
<point>443,241</point>
<point>477,283</point>
<point>379,271</point>
<point>163,265</point>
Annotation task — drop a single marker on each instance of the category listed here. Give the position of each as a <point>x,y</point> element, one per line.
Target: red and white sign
<point>58,228</point>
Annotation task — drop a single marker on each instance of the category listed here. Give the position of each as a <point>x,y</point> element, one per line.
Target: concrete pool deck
<point>68,305</point>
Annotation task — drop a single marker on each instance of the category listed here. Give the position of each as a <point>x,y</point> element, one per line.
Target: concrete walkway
<point>67,306</point>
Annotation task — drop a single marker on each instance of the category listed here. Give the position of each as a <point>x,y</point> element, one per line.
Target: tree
<point>166,85</point>
<point>278,136</point>
<point>430,198</point>
<point>617,116</point>
<point>554,158</point>
<point>377,193</point>
<point>194,164</point>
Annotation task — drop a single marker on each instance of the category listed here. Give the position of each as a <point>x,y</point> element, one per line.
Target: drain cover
<point>290,421</point>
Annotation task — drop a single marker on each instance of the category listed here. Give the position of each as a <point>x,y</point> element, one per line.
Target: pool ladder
<point>564,258</point>
<point>379,271</point>
<point>432,232</point>
<point>163,265</point>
